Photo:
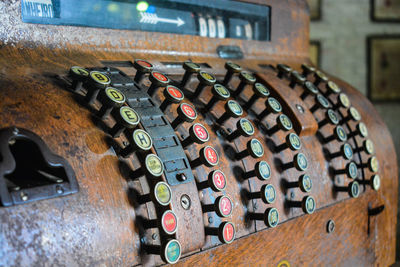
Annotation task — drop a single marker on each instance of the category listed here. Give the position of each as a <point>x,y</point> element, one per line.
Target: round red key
<point>175,92</point>
<point>142,67</point>
<point>186,113</point>
<point>201,132</point>
<point>159,76</point>
<point>172,95</point>
<point>224,206</point>
<point>189,111</point>
<point>144,63</point>
<point>211,156</point>
<point>228,232</point>
<point>169,222</point>
<point>219,180</point>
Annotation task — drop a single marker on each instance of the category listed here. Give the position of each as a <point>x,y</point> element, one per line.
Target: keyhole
<point>185,202</point>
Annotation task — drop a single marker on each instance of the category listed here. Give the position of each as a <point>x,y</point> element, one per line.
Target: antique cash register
<point>195,133</point>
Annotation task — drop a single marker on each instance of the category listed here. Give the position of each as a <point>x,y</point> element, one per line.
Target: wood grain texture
<point>303,241</point>
<point>304,123</point>
<point>100,225</point>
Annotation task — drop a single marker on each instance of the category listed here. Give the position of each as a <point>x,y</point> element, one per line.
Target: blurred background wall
<point>359,42</point>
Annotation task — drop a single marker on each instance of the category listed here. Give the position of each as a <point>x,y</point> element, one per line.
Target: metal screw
<point>185,202</point>
<point>255,206</point>
<point>330,226</point>
<point>154,236</point>
<point>24,196</point>
<point>59,190</point>
<point>292,195</point>
<point>181,177</point>
<point>15,131</point>
<point>210,220</point>
<point>300,108</point>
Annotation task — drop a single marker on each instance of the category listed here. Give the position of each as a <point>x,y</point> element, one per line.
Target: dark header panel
<point>208,18</point>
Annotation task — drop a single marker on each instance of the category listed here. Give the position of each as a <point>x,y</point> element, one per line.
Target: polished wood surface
<point>100,224</point>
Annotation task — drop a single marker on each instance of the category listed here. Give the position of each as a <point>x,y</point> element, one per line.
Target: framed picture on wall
<point>385,10</point>
<point>384,68</point>
<point>315,52</point>
<point>315,9</point>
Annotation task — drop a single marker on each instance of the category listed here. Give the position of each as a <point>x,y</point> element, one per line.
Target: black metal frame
<point>373,18</point>
<point>319,16</point>
<point>8,165</point>
<point>370,39</point>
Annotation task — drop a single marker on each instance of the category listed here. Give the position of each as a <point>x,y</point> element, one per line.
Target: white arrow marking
<point>154,19</point>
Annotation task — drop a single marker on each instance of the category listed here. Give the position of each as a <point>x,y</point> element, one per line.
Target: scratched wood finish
<point>32,123</point>
<point>305,242</point>
<point>101,216</point>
